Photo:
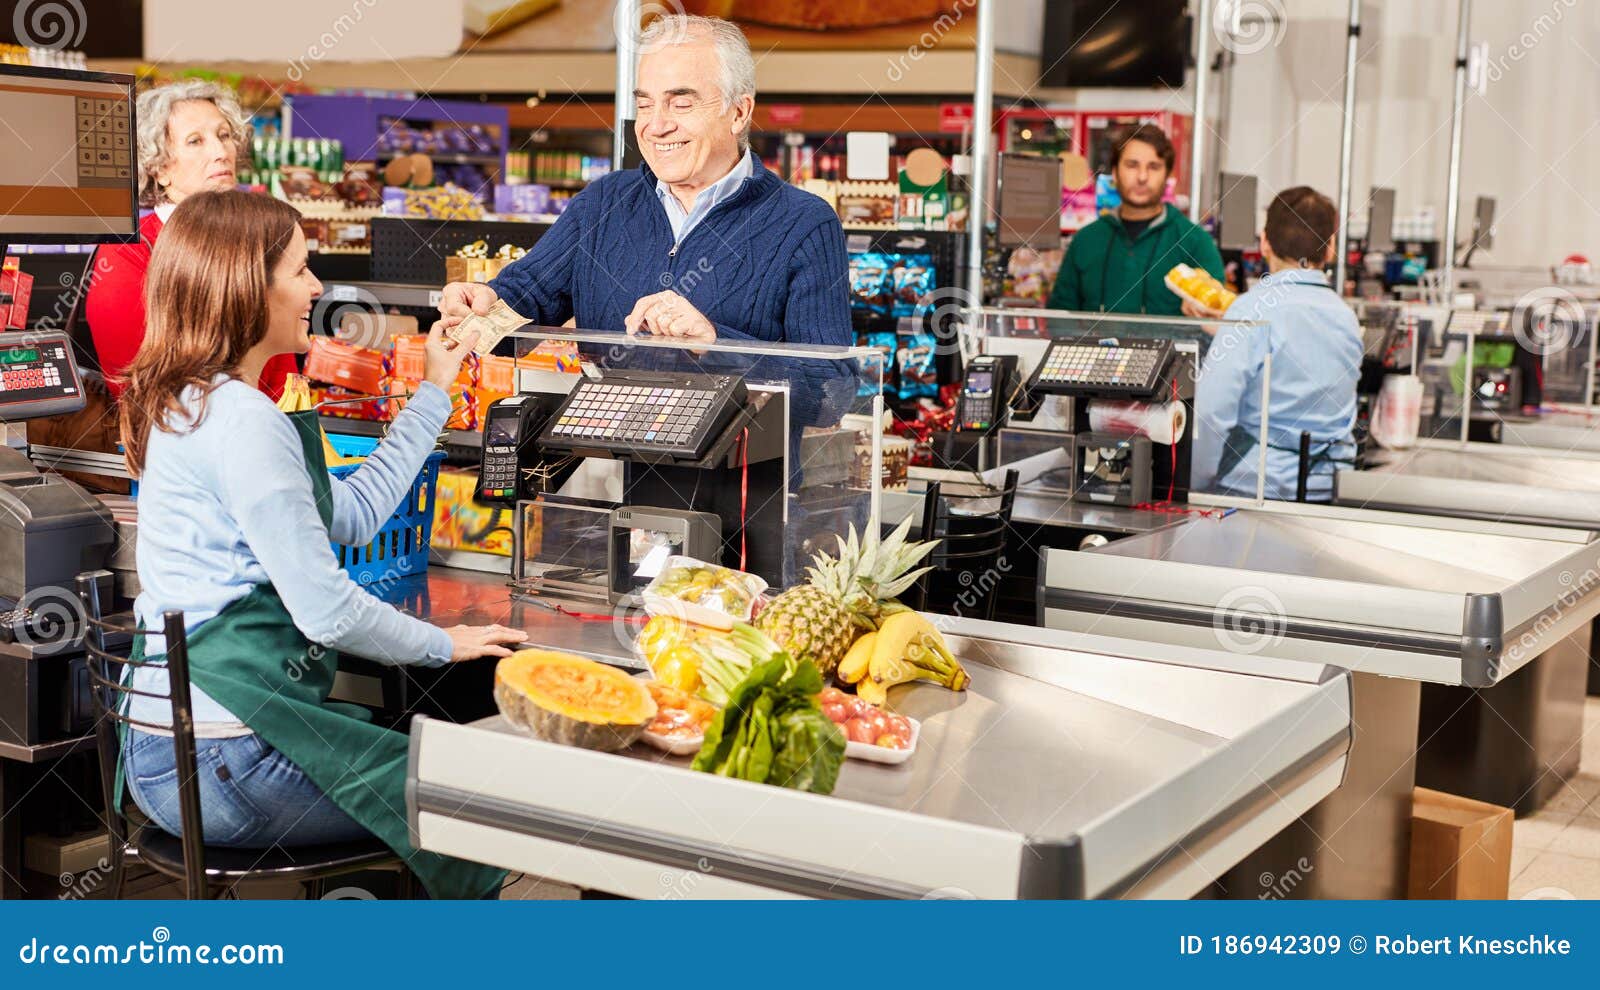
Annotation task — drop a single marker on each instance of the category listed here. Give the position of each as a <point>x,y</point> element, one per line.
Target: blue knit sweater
<point>768,263</point>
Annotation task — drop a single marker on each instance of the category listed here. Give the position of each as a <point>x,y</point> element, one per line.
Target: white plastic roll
<point>1162,422</point>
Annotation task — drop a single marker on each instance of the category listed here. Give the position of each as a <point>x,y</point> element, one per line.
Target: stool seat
<point>163,852</point>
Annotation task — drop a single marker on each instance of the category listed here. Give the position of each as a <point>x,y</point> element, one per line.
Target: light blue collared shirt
<point>705,201</point>
<point>1315,342</point>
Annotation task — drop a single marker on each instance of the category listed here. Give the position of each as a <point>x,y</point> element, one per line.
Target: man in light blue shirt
<point>682,220</point>
<point>1315,344</point>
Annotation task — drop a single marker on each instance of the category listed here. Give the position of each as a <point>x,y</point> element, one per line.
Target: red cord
<point>744,491</point>
<point>597,617</point>
<point>1173,446</point>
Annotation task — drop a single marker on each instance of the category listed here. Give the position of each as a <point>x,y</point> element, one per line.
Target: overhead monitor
<point>1380,220</point>
<point>1030,201</point>
<point>67,173</point>
<point>1236,213</point>
<point>1483,223</point>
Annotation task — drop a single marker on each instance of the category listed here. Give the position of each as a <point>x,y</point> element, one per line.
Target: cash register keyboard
<point>1132,368</point>
<point>679,415</point>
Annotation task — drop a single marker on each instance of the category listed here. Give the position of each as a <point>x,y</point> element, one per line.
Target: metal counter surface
<point>1059,773</point>
<point>1447,600</point>
<point>1480,481</point>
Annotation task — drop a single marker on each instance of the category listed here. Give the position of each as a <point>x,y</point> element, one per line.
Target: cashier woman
<point>1315,344</point>
<point>236,509</point>
<point>700,242</point>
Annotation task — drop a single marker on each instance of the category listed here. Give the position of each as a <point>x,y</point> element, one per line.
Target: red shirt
<point>115,309</point>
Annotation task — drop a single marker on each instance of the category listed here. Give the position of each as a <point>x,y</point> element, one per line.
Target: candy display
<point>446,202</point>
<point>914,363</point>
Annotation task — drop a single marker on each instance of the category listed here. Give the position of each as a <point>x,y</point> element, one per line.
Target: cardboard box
<point>1460,848</point>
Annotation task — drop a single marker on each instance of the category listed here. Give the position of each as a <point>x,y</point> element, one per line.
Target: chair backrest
<point>972,528</point>
<point>109,678</point>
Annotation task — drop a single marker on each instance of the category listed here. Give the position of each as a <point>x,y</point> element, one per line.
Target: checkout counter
<point>1074,766</point>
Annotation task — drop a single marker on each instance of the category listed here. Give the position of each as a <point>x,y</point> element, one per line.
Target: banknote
<point>492,327</point>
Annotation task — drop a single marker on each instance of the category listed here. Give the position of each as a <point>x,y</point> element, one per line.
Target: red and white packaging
<point>17,287</point>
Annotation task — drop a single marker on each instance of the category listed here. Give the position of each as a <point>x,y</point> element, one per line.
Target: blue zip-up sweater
<point>768,263</point>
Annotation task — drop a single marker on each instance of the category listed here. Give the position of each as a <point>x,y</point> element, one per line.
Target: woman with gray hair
<point>191,134</point>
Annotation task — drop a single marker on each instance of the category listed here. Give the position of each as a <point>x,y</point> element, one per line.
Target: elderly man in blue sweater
<point>701,242</point>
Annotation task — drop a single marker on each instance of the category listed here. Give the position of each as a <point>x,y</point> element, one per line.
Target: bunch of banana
<point>906,647</point>
<point>296,397</point>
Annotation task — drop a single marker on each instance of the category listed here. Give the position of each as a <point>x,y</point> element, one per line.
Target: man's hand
<point>1194,309</point>
<point>667,314</point>
<point>462,299</point>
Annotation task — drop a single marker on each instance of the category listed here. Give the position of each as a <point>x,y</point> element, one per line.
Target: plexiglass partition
<point>779,444</point>
<point>1221,421</point>
<point>1523,377</point>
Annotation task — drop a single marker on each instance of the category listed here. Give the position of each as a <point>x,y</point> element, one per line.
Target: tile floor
<point>1556,853</point>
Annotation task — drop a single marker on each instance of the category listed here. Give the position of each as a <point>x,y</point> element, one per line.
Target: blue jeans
<point>251,796</point>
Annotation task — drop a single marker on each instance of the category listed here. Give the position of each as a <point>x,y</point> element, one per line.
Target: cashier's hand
<point>667,314</point>
<point>442,356</point>
<point>461,299</point>
<point>472,642</point>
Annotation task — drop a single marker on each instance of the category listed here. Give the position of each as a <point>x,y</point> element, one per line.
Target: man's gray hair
<point>736,67</point>
<point>155,112</point>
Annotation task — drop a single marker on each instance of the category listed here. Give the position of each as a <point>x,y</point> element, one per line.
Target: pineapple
<point>844,597</point>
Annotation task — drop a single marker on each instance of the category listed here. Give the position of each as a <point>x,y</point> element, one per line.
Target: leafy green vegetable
<point>772,730</point>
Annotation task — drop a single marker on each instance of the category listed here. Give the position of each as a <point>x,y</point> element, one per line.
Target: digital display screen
<point>19,355</point>
<point>980,381</point>
<point>70,169</point>
<point>502,431</point>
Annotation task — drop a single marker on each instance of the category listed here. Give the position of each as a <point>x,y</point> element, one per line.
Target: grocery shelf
<point>450,158</point>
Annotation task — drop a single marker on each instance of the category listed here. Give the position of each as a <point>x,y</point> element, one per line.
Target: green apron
<point>256,664</point>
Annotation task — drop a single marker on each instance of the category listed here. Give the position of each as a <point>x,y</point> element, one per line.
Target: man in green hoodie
<point>1117,264</point>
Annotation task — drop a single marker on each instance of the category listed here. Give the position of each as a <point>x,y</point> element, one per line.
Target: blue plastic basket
<point>401,547</point>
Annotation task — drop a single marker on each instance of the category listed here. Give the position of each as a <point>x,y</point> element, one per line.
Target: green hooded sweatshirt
<point>1105,272</point>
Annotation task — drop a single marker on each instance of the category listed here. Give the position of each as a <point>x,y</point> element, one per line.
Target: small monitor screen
<point>502,431</point>
<point>1236,213</point>
<point>1380,220</point>
<point>890,284</point>
<point>68,174</point>
<point>1483,223</point>
<point>980,381</point>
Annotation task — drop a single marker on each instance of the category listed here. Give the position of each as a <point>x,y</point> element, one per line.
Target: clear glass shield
<point>766,450</point>
<point>1131,446</point>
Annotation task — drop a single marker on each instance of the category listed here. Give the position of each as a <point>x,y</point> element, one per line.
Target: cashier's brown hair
<point>205,304</point>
